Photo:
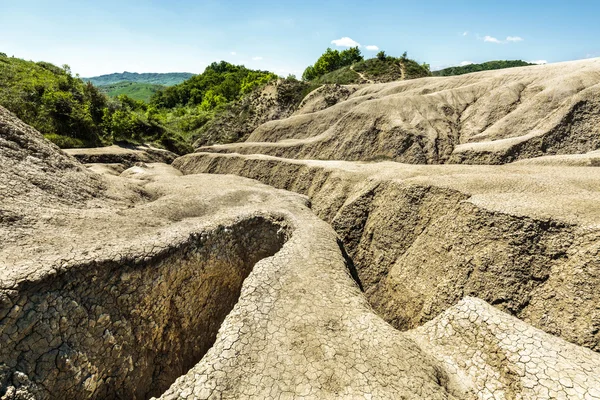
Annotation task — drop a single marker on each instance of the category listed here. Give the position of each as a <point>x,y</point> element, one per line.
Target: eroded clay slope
<point>490,117</point>
<point>523,238</point>
<point>234,286</point>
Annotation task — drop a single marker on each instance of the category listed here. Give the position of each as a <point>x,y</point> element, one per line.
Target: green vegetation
<point>386,68</point>
<point>72,113</point>
<point>351,66</point>
<point>342,76</point>
<point>187,107</point>
<point>135,90</point>
<point>236,120</point>
<point>167,79</point>
<point>490,65</point>
<point>330,61</point>
<point>218,84</point>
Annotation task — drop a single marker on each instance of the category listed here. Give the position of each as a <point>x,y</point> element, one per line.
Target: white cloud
<point>466,63</point>
<point>372,47</point>
<point>233,53</point>
<point>257,58</point>
<point>491,39</point>
<point>465,33</point>
<point>538,62</point>
<point>509,39</point>
<point>345,42</point>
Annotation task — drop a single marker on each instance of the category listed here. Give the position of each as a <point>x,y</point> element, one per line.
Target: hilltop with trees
<point>486,66</point>
<point>349,66</point>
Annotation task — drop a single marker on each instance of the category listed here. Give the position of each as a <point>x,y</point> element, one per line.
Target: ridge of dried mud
<point>491,117</point>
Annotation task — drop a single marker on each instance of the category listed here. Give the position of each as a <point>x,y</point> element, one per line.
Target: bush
<point>64,142</point>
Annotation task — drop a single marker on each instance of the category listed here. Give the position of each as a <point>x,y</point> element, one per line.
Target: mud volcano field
<point>437,238</point>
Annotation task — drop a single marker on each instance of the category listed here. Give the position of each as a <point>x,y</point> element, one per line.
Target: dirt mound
<point>490,117</point>
<point>33,169</point>
<point>122,154</point>
<point>325,97</point>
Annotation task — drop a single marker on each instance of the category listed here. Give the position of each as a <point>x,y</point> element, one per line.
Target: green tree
<point>350,56</point>
<point>67,69</point>
<point>309,73</point>
<point>329,61</point>
<point>381,55</point>
<point>96,102</point>
<point>212,101</point>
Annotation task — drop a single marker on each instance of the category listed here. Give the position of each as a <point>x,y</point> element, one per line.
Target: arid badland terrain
<point>437,238</point>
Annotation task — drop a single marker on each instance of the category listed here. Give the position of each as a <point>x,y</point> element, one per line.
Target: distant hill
<point>486,66</point>
<point>136,90</point>
<point>166,79</point>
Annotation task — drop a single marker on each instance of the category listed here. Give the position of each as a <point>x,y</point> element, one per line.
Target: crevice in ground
<point>420,249</point>
<point>127,330</point>
<point>350,265</point>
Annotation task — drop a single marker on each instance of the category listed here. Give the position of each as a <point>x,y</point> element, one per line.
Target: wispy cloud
<point>372,47</point>
<point>491,39</point>
<point>233,53</point>
<point>538,62</point>
<point>257,58</point>
<point>465,33</point>
<point>345,42</point>
<point>466,63</point>
<point>509,39</point>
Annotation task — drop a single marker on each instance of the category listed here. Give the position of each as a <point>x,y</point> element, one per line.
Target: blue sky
<point>98,37</point>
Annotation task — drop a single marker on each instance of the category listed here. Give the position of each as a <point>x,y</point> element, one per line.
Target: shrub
<point>64,142</point>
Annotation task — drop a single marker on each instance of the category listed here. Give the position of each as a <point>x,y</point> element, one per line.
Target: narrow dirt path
<point>362,76</point>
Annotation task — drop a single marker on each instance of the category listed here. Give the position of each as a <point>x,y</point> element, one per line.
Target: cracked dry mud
<point>301,278</point>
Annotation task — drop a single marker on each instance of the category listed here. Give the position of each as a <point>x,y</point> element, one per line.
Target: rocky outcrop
<point>491,117</point>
